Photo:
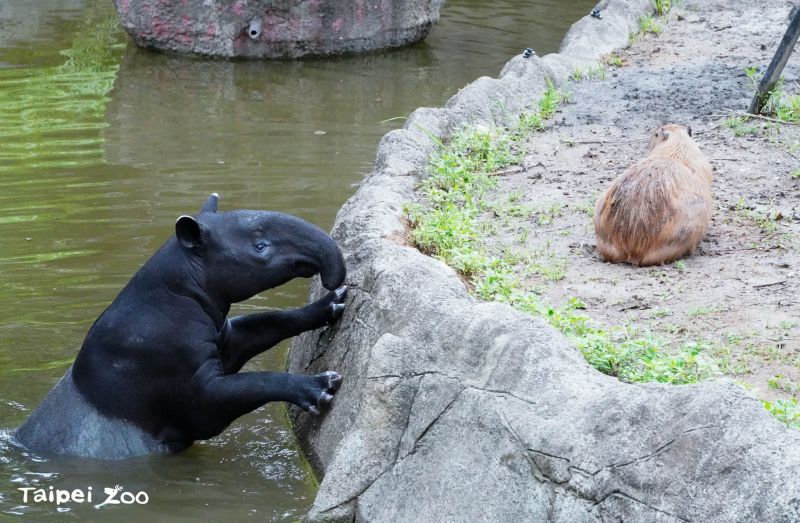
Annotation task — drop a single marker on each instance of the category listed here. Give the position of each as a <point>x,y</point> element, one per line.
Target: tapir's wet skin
<point>104,145</point>
<point>158,370</point>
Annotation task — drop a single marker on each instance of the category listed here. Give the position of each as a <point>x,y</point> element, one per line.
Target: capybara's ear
<point>211,203</point>
<point>689,129</point>
<point>665,133</point>
<point>189,232</point>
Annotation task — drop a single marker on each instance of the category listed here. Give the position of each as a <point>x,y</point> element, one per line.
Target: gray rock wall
<point>276,29</point>
<point>458,410</point>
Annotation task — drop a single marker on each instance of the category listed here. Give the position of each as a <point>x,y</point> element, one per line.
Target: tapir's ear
<point>211,203</point>
<point>189,232</point>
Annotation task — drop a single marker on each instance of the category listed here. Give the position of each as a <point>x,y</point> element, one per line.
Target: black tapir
<point>159,368</point>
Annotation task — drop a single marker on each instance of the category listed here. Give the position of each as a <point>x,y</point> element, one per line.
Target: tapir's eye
<point>261,245</point>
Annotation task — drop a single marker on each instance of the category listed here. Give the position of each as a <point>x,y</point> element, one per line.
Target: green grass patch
<point>533,120</point>
<point>783,106</point>
<point>766,219</point>
<point>648,24</point>
<point>626,353</point>
<point>737,125</point>
<point>780,382</point>
<point>595,72</point>
<point>449,228</point>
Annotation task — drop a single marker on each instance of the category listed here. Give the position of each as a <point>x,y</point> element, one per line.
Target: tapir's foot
<point>333,303</point>
<point>319,392</point>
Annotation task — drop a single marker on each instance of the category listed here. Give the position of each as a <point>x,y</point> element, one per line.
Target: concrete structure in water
<point>274,29</point>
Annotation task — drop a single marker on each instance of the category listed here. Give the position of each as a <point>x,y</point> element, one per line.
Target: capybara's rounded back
<point>659,209</point>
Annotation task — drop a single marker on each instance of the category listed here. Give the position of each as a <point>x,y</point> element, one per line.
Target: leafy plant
<point>786,411</point>
<point>784,107</point>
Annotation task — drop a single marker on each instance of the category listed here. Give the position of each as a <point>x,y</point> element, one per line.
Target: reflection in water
<point>94,178</point>
<point>49,117</point>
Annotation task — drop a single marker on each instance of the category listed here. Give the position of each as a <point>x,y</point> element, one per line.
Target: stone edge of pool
<point>457,409</point>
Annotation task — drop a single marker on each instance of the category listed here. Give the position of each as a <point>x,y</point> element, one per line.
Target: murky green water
<point>103,145</point>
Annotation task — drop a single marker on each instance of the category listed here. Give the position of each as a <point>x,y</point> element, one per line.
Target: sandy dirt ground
<point>737,295</point>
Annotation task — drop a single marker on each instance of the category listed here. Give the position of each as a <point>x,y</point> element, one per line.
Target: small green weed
<point>780,382</point>
<point>737,125</point>
<point>547,214</point>
<point>546,264</point>
<point>613,60</point>
<point>697,312</point>
<point>576,75</point>
<point>786,411</point>
<point>765,219</point>
<point>586,207</point>
<point>662,6</point>
<point>648,24</point>
<point>753,75</point>
<point>550,100</point>
<point>784,107</point>
<point>595,72</point>
<point>545,108</point>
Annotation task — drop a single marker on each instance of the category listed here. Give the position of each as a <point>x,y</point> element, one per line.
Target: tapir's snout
<point>312,243</point>
<point>333,270</point>
<point>331,262</point>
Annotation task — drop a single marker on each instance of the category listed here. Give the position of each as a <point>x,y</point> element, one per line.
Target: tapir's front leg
<point>224,398</point>
<point>253,334</point>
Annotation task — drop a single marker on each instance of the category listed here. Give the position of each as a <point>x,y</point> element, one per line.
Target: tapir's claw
<point>333,304</point>
<point>320,396</point>
<point>337,309</point>
<point>334,380</point>
<point>325,399</point>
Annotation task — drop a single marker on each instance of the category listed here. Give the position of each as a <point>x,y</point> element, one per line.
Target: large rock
<point>276,29</point>
<point>458,410</point>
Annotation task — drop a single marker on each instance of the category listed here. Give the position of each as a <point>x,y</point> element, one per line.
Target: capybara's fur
<point>659,208</point>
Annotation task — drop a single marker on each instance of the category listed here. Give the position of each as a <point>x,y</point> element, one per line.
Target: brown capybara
<point>659,208</point>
